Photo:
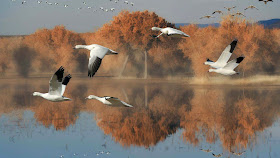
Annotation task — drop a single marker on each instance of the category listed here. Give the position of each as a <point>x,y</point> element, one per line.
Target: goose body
<point>97,53</point>
<point>110,101</point>
<point>206,16</point>
<point>169,32</point>
<point>228,69</point>
<point>56,88</point>
<point>223,59</point>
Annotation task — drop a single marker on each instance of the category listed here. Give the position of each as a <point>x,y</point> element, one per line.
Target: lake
<point>168,119</point>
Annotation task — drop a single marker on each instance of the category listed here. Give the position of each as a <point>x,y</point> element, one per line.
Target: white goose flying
<point>223,59</point>
<point>57,87</point>
<point>229,68</point>
<point>97,53</point>
<point>111,101</point>
<point>169,32</point>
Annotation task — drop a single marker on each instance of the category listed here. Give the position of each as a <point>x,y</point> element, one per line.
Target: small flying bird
<point>49,3</point>
<point>56,88</point>
<point>125,2</point>
<point>108,153</point>
<point>208,150</point>
<point>266,1</point>
<point>239,13</point>
<point>102,8</point>
<point>251,7</point>
<point>66,6</point>
<point>110,101</point>
<point>238,154</point>
<point>39,2</point>
<point>97,53</point>
<point>217,11</point>
<point>169,32</point>
<point>207,16</point>
<point>112,9</point>
<point>106,10</point>
<point>55,3</point>
<point>89,7</point>
<point>23,2</point>
<point>80,8</point>
<point>84,3</point>
<point>116,1</point>
<point>220,155</point>
<point>229,8</point>
<point>132,4</point>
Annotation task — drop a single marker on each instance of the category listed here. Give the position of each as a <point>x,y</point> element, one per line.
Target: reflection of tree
<point>206,115</point>
<point>234,121</point>
<point>143,125</point>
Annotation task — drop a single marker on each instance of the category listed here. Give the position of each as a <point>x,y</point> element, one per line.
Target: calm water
<point>168,120</point>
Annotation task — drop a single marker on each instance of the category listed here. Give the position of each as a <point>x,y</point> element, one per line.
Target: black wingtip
<point>66,79</point>
<point>209,60</point>
<point>233,45</point>
<point>59,73</point>
<point>239,59</point>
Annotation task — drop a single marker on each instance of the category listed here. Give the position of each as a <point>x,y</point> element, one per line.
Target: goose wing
<point>117,102</point>
<point>233,63</point>
<point>172,31</point>
<point>55,87</point>
<point>93,65</point>
<point>96,56</point>
<point>64,83</point>
<point>226,54</point>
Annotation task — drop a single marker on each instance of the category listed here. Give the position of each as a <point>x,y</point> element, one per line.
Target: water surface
<point>168,120</point>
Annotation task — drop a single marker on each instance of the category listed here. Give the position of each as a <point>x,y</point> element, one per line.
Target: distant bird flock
<point>233,7</point>
<point>84,5</point>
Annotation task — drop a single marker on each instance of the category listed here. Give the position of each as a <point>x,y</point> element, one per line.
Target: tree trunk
<point>124,65</point>
<point>146,65</point>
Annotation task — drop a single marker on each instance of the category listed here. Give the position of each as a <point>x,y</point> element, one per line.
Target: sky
<point>22,19</point>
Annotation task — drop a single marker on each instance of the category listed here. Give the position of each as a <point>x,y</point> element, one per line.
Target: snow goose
<point>23,2</point>
<point>56,88</point>
<point>169,32</point>
<point>266,1</point>
<point>217,11</point>
<point>125,2</point>
<point>223,59</point>
<point>239,13</point>
<point>251,7</point>
<point>39,2</point>
<point>229,68</point>
<point>206,150</point>
<point>97,53</point>
<point>111,101</point>
<point>238,154</point>
<point>229,8</point>
<point>66,6</point>
<point>112,9</point>
<point>219,155</point>
<point>207,16</point>
<point>131,3</point>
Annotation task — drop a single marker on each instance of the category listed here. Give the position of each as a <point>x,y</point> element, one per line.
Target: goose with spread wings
<point>57,87</point>
<point>110,101</point>
<point>97,53</point>
<point>169,32</point>
<point>228,69</point>
<point>223,59</point>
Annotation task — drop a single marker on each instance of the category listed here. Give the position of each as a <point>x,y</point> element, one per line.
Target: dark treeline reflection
<point>230,115</point>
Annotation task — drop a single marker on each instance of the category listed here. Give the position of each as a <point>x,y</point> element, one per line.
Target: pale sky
<point>22,19</point>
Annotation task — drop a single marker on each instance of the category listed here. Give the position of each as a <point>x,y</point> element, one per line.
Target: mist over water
<point>167,118</point>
